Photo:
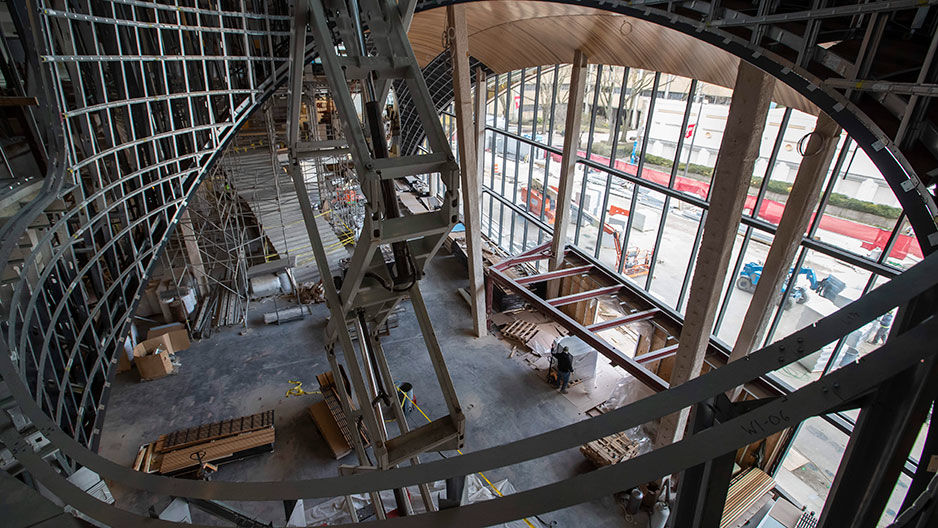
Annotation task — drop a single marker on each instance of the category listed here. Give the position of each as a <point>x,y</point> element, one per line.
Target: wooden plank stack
<point>609,450</point>
<point>178,452</point>
<point>746,488</point>
<point>330,419</point>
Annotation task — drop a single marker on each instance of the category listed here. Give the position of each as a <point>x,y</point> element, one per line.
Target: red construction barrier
<point>770,210</point>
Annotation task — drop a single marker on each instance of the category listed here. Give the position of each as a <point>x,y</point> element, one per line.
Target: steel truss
<point>371,288</point>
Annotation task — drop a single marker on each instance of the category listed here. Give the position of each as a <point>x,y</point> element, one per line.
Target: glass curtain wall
<point>647,147</point>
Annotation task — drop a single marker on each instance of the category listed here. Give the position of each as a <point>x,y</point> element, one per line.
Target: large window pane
<point>667,125</point>
<point>809,467</point>
<point>677,243</point>
<point>738,288</point>
<point>862,212</point>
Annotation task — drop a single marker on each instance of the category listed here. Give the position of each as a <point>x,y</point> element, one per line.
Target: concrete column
<point>466,136</point>
<point>802,201</point>
<point>571,140</point>
<point>735,162</point>
<point>193,254</point>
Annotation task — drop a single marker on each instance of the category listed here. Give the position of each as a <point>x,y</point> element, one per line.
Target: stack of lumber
<point>178,452</point>
<point>609,450</point>
<point>746,489</point>
<point>330,419</point>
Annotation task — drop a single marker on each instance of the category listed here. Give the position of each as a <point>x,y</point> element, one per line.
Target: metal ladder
<point>364,46</point>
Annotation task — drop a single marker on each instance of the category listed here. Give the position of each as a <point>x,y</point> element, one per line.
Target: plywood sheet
<point>510,35</point>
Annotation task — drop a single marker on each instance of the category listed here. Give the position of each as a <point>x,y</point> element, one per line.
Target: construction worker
<point>885,322</point>
<point>564,367</point>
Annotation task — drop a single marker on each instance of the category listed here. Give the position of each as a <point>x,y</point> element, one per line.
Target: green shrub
<point>885,211</point>
<point>694,168</point>
<point>838,200</point>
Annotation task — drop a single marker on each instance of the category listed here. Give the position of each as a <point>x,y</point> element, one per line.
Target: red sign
<point>690,131</point>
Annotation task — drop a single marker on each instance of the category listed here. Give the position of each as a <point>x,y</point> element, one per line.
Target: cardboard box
<point>153,366</point>
<point>178,337</point>
<point>150,345</point>
<point>152,357</point>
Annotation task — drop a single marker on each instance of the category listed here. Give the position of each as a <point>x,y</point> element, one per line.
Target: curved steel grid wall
<point>149,93</point>
<point>439,76</point>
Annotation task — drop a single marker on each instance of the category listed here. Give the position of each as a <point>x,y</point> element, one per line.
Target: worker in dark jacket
<point>885,323</point>
<point>564,367</point>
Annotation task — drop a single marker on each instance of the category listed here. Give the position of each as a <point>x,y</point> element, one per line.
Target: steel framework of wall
<point>140,99</point>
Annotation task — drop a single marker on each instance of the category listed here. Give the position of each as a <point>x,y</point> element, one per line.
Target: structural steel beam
<point>541,251</point>
<point>571,141</point>
<point>469,163</point>
<point>655,355</point>
<point>735,162</point>
<point>601,345</point>
<point>872,85</point>
<point>521,260</point>
<point>899,353</point>
<point>703,488</point>
<point>583,296</point>
<point>872,461</point>
<point>738,19</point>
<point>644,315</point>
<point>815,398</point>
<point>805,194</point>
<point>559,274</point>
<point>365,412</point>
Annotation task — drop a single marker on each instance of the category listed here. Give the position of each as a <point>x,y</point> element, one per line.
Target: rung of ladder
<point>390,168</point>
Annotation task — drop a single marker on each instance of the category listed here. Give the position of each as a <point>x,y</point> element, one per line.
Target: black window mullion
<point>690,261</point>
<point>691,93</point>
<point>494,149</point>
<point>747,237</point>
<point>501,207</point>
<point>589,148</point>
<point>527,198</point>
<point>550,137</point>
<point>638,171</point>
<point>612,161</point>
<point>799,262</point>
<point>835,174</point>
<point>514,194</point>
<point>891,242</point>
<point>773,158</point>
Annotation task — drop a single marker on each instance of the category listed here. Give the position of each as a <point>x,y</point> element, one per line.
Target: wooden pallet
<point>746,488</point>
<point>609,450</point>
<point>207,432</point>
<point>523,331</point>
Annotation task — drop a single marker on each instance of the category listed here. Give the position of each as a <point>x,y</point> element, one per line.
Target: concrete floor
<point>239,372</point>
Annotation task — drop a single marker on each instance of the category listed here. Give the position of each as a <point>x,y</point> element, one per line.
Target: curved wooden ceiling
<point>509,35</point>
